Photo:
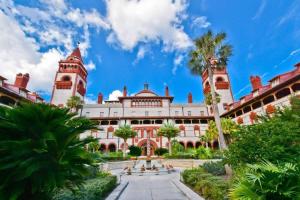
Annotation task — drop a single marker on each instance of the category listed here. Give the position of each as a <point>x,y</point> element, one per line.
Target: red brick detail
<point>206,89</point>
<point>81,90</point>
<point>100,98</point>
<point>181,127</point>
<point>197,128</point>
<point>110,129</point>
<point>253,116</point>
<point>240,120</point>
<point>270,109</point>
<point>63,84</point>
<point>21,80</point>
<point>167,91</point>
<point>222,85</point>
<point>190,98</point>
<point>125,91</point>
<point>255,82</point>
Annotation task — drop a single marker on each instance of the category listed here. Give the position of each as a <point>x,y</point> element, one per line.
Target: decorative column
<point>148,144</point>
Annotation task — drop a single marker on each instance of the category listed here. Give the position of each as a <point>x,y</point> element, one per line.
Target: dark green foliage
<point>207,185</point>
<point>135,151</point>
<point>215,168</point>
<point>275,138</point>
<point>180,155</point>
<point>111,156</point>
<point>93,189</point>
<point>40,151</point>
<point>268,181</point>
<point>160,151</point>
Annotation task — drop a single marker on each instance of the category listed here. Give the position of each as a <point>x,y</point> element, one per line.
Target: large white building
<point>146,111</point>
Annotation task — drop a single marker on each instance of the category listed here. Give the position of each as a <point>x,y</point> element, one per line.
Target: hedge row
<point>207,185</point>
<point>93,189</point>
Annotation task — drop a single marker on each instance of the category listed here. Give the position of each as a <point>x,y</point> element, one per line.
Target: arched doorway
<point>143,145</point>
<point>189,145</point>
<point>102,148</point>
<point>112,147</point>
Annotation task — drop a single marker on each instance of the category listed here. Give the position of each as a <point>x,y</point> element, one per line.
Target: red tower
<point>70,79</point>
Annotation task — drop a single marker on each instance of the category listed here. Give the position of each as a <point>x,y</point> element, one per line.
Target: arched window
<point>282,93</point>
<point>256,105</point>
<point>189,145</point>
<point>66,78</point>
<point>80,83</point>
<point>206,84</point>
<point>268,99</point>
<point>296,87</point>
<point>220,79</point>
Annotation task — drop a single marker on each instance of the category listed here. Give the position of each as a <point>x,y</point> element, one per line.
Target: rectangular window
<point>189,113</point>
<point>146,113</point>
<point>101,114</point>
<point>115,114</point>
<point>87,114</point>
<point>159,113</point>
<point>201,113</point>
<point>176,113</point>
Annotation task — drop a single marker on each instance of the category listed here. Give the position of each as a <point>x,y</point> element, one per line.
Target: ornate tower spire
<point>70,79</point>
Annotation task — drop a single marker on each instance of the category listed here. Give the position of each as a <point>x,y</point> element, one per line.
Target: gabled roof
<point>145,93</point>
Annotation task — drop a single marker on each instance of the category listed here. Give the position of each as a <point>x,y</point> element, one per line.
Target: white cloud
<point>260,10</point>
<point>37,28</point>
<point>136,21</point>
<point>89,100</point>
<point>141,53</point>
<point>177,61</point>
<point>114,95</point>
<point>201,22</point>
<point>90,66</point>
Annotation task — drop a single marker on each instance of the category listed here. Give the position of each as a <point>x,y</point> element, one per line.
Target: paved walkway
<point>154,187</point>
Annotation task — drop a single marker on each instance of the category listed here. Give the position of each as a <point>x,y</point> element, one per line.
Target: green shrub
<point>217,154</point>
<point>215,168</point>
<point>203,153</point>
<point>176,147</point>
<point>113,156</point>
<point>135,151</point>
<point>160,151</point>
<point>93,189</point>
<point>180,155</point>
<point>207,185</point>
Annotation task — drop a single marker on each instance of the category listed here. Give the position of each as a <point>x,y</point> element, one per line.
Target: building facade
<point>13,94</point>
<point>146,111</point>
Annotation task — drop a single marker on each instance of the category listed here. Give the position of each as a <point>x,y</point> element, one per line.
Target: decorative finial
<point>78,43</point>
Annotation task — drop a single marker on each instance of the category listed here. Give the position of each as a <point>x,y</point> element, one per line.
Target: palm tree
<point>211,53</point>
<point>94,146</point>
<point>125,132</point>
<point>74,102</point>
<point>204,139</point>
<point>169,131</point>
<point>212,132</point>
<point>267,181</point>
<point>40,151</point>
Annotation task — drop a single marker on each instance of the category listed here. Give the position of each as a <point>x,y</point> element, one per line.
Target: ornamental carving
<point>222,85</point>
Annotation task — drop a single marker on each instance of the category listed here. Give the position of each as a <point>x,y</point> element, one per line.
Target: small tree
<point>204,139</point>
<point>212,132</point>
<point>94,146</point>
<point>125,132</point>
<point>74,103</point>
<point>169,131</point>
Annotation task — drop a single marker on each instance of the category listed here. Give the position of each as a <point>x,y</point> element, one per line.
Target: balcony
<point>63,84</point>
<point>222,85</point>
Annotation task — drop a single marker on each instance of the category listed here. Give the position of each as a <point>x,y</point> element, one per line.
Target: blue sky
<point>133,42</point>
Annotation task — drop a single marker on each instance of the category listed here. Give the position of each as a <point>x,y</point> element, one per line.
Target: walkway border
<point>116,193</point>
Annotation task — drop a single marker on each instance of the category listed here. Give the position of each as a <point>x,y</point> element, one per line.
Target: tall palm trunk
<point>170,146</point>
<point>216,109</point>
<point>124,148</point>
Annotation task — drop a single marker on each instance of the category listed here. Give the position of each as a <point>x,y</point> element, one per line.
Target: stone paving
<point>153,187</point>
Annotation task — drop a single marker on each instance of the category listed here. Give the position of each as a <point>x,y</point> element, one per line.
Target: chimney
<point>125,91</point>
<point>146,86</point>
<point>100,98</point>
<point>166,91</point>
<point>22,80</point>
<point>190,98</point>
<point>255,82</point>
